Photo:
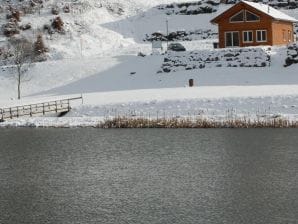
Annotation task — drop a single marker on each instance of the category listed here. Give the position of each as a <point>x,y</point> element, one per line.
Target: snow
<point>213,102</point>
<point>270,11</point>
<point>97,57</point>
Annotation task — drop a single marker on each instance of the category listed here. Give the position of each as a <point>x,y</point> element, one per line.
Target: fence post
<point>191,82</point>
<point>68,105</point>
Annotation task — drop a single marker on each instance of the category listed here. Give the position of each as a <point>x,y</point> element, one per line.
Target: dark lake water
<point>72,176</point>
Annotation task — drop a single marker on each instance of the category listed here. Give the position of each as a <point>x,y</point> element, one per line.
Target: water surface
<point>153,176</point>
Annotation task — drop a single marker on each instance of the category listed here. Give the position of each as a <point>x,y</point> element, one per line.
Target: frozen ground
<point>211,102</point>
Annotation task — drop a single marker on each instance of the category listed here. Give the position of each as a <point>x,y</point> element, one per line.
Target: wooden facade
<point>244,25</point>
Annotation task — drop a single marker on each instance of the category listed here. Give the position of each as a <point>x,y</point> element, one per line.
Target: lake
<point>151,176</point>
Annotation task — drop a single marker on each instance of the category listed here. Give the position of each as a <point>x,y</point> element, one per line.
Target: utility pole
<point>167,25</point>
<point>81,46</point>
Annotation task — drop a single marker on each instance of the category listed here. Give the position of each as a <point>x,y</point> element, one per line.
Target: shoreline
<point>148,123</point>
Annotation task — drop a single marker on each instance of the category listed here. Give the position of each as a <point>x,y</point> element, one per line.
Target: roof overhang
<point>217,18</point>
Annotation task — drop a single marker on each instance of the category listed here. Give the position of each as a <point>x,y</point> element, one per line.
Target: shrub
<point>55,10</point>
<point>66,9</point>
<point>58,24</point>
<point>16,14</point>
<point>11,28</point>
<point>39,46</point>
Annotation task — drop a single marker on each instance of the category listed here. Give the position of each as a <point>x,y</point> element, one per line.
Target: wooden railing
<point>56,106</point>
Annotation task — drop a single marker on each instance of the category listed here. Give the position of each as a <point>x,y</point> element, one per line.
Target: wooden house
<point>252,24</point>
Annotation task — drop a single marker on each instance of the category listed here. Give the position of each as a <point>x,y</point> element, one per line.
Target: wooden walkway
<point>60,106</point>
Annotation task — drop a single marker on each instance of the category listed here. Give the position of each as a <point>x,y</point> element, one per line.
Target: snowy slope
<point>94,29</point>
<point>95,38</point>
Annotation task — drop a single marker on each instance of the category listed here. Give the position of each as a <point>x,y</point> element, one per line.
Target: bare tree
<point>22,56</point>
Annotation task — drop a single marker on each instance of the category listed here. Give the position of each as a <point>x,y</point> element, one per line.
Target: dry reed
<point>127,122</point>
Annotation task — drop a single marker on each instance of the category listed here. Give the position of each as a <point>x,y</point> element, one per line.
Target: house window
<point>251,17</point>
<point>290,35</point>
<point>244,16</point>
<point>238,17</point>
<point>284,35</point>
<point>247,36</point>
<point>261,35</point>
<point>232,39</point>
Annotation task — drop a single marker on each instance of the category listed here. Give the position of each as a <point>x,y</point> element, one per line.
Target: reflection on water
<point>148,176</point>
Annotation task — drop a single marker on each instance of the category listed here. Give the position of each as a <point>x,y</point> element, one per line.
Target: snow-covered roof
<point>270,11</point>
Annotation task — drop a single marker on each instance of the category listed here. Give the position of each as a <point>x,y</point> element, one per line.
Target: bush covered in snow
<point>190,8</point>
<point>58,24</point>
<point>14,14</point>
<point>11,28</point>
<point>288,4</point>
<point>292,55</point>
<point>21,6</point>
<point>55,10</point>
<point>39,48</point>
<point>5,54</point>
<point>236,57</point>
<point>182,35</point>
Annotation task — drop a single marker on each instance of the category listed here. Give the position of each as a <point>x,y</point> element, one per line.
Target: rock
<point>166,59</point>
<point>140,54</point>
<point>166,69</point>
<point>263,64</point>
<point>228,55</point>
<point>66,9</point>
<point>55,10</point>
<point>201,66</point>
<point>27,26</point>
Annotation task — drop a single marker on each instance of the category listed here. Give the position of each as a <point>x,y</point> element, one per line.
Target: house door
<point>232,39</point>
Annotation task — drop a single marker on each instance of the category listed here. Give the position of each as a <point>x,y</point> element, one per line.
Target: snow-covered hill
<point>94,31</point>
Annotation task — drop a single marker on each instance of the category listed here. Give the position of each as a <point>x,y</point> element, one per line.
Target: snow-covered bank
<point>198,121</point>
<point>216,102</point>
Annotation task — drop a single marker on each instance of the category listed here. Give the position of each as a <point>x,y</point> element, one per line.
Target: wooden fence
<point>57,106</point>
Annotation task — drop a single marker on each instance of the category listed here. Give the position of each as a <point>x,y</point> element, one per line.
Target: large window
<point>261,35</point>
<point>247,36</point>
<point>232,39</point>
<point>250,17</point>
<point>244,16</point>
<point>238,17</point>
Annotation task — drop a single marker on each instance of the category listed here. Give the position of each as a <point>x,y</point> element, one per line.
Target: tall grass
<point>128,122</point>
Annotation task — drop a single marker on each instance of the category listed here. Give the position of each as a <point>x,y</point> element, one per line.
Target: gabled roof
<point>270,11</point>
<point>266,9</point>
